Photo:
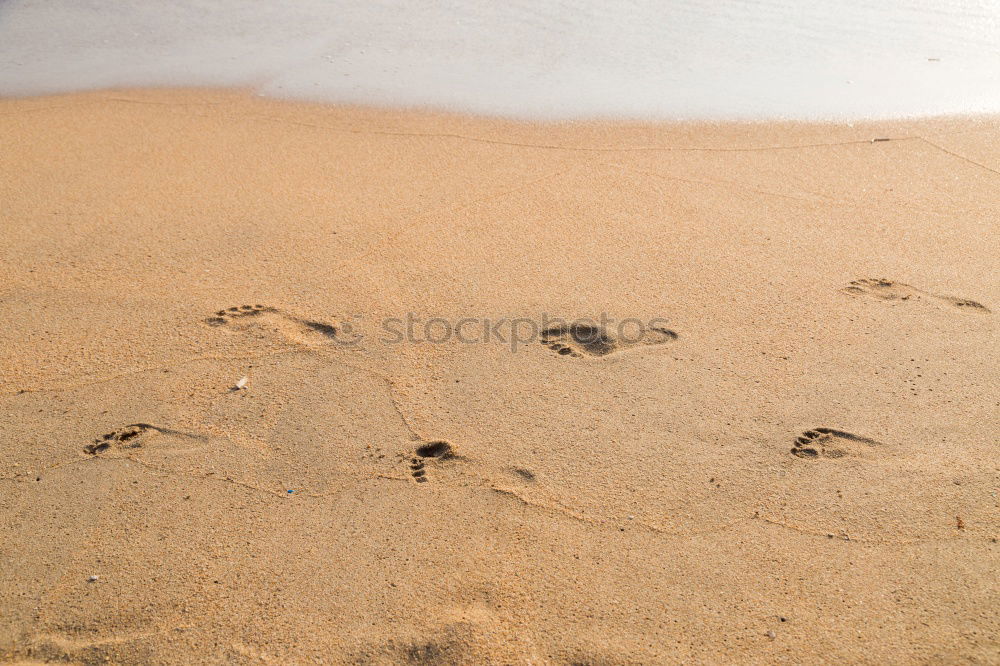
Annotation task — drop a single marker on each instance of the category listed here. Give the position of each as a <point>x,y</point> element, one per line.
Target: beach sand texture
<point>800,467</point>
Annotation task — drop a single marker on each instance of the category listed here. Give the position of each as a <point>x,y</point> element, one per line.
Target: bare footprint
<point>263,320</point>
<point>578,339</point>
<point>132,436</point>
<point>827,443</point>
<point>128,437</point>
<point>440,450</point>
<point>888,290</point>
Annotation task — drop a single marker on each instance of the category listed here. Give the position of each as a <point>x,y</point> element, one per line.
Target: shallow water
<point>678,59</point>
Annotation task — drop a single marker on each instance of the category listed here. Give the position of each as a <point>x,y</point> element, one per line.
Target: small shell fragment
<point>242,383</point>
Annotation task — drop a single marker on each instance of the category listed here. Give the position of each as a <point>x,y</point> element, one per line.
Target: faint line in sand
<point>479,139</point>
<point>848,538</point>
<point>558,508</point>
<point>555,507</point>
<point>140,371</point>
<point>69,644</point>
<point>548,146</point>
<point>519,144</point>
<point>961,157</point>
<point>205,476</point>
<point>97,100</point>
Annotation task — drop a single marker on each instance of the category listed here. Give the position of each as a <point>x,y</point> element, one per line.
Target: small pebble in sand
<point>93,579</point>
<point>771,635</point>
<point>241,384</point>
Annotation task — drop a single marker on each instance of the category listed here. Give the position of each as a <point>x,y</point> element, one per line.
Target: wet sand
<point>797,464</point>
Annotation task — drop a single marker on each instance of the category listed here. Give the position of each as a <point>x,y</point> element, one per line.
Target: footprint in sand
<point>577,340</point>
<point>264,320</point>
<point>129,437</point>
<point>827,443</point>
<point>888,290</point>
<point>439,449</point>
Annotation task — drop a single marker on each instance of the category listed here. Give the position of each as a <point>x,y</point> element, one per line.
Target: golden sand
<point>799,466</point>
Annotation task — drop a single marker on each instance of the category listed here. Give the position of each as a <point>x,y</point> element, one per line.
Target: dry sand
<point>651,504</point>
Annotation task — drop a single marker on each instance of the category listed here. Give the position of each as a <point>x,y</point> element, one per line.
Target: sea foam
<point>670,59</point>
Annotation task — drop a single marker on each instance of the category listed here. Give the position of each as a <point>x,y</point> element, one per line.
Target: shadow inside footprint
<point>321,328</point>
<point>966,304</point>
<point>439,450</point>
<point>824,442</point>
<point>126,437</point>
<point>524,474</point>
<point>581,339</point>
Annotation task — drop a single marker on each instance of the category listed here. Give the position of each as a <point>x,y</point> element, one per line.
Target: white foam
<point>662,58</point>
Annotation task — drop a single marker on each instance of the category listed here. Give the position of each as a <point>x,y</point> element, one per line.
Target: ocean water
<point>664,59</point>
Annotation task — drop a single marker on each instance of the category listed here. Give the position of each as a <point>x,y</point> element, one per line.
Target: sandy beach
<point>215,450</point>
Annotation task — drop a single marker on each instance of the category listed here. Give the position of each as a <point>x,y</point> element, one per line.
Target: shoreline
<point>216,96</point>
<point>219,93</point>
<point>742,60</point>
